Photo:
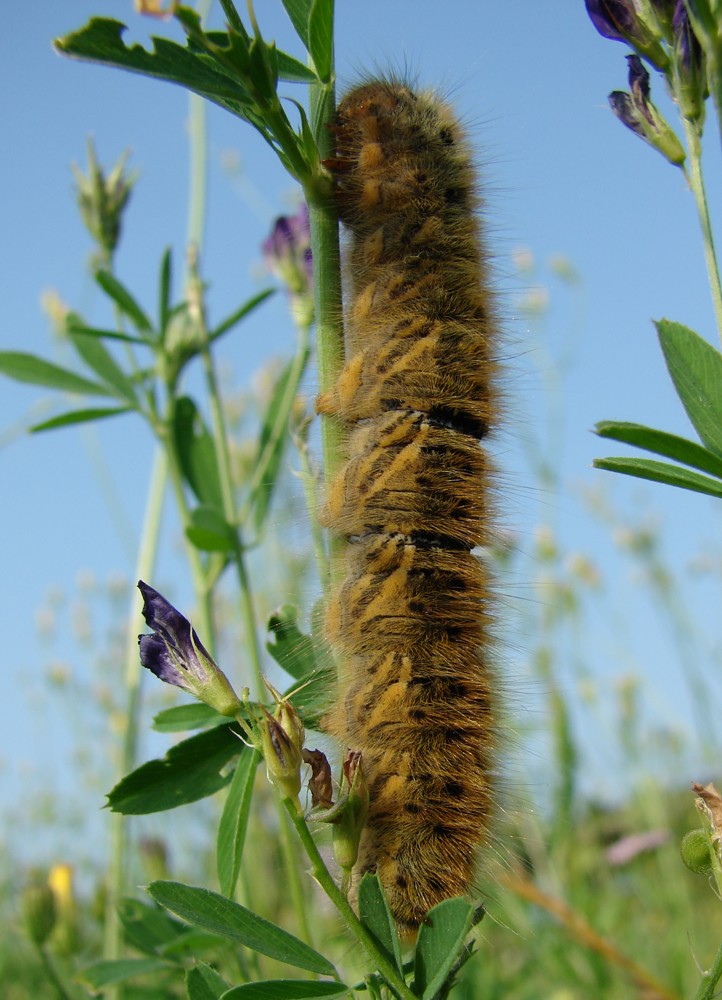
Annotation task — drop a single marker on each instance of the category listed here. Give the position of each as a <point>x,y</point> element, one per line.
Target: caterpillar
<point>409,618</point>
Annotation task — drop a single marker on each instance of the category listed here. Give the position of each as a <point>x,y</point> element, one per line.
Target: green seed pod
<point>695,852</point>
<point>39,913</point>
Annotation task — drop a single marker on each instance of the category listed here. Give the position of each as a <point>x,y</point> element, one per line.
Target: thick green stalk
<point>117,870</point>
<point>328,307</point>
<point>295,888</point>
<point>696,182</point>
<point>322,875</point>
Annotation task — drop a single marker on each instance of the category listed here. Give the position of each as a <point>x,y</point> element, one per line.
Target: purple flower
<point>623,21</point>
<point>624,850</point>
<point>175,654</point>
<point>615,19</point>
<point>287,252</point>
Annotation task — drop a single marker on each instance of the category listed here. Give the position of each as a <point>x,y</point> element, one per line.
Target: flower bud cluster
<point>175,654</point>
<point>663,33</point>
<point>102,200</point>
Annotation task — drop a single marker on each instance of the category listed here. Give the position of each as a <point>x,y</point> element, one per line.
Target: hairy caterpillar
<point>409,619</point>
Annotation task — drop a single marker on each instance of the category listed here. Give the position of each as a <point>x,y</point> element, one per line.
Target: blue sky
<point>561,177</point>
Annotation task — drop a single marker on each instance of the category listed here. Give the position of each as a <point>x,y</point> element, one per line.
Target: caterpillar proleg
<point>409,620</point>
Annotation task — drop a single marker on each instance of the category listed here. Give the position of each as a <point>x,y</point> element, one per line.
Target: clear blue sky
<point>561,176</point>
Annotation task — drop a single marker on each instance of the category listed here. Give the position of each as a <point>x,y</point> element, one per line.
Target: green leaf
<point>194,715</point>
<point>264,68</point>
<point>148,928</point>
<point>194,942</point>
<point>235,317</point>
<point>661,472</point>
<point>219,915</point>
<point>313,697</point>
<point>107,973</point>
<point>232,16</point>
<point>696,370</point>
<point>299,11</point>
<point>320,37</point>
<point>441,938</point>
<point>209,531</point>
<point>101,40</point>
<point>234,822</point>
<point>80,417</point>
<point>662,443</point>
<point>92,331</point>
<point>289,647</point>
<point>292,70</point>
<point>197,453</point>
<point>124,300</point>
<point>164,291</point>
<point>308,139</point>
<point>307,659</point>
<point>191,770</point>
<point>287,989</point>
<point>375,914</point>
<point>204,983</point>
<point>97,356</point>
<point>29,368</point>
<point>273,439</point>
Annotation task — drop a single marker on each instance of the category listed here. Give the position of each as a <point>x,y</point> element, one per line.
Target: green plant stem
<point>373,988</point>
<point>295,887</point>
<point>309,480</point>
<point>117,869</point>
<point>696,182</point>
<point>198,171</point>
<point>220,439</point>
<point>328,306</point>
<point>281,421</point>
<point>322,875</point>
<point>204,617</point>
<point>198,155</point>
<point>53,974</point>
<point>710,978</point>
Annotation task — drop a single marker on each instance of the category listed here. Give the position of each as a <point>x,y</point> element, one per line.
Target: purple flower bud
<point>691,82</point>
<point>282,737</point>
<point>639,86</point>
<point>636,111</point>
<point>689,49</point>
<point>623,107</point>
<point>287,252</point>
<point>175,654</point>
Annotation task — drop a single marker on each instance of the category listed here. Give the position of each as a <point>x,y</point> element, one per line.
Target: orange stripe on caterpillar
<point>409,620</point>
